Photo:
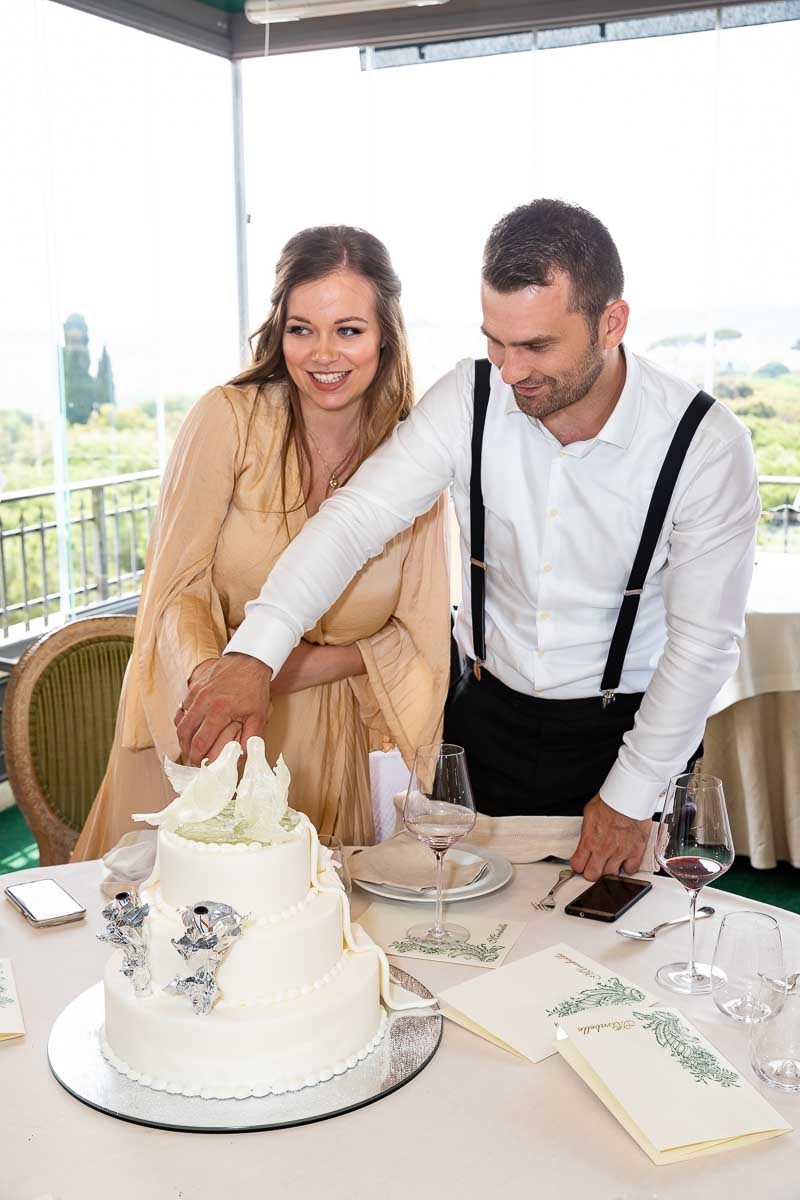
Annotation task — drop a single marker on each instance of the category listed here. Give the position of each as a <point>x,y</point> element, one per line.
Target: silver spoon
<point>647,935</point>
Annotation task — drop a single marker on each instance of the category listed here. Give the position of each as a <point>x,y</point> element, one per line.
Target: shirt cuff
<point>264,638</point>
<point>630,794</point>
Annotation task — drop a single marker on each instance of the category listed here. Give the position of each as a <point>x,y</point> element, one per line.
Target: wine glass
<point>694,845</point>
<point>439,809</point>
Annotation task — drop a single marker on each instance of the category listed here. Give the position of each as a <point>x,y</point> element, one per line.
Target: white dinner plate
<point>497,876</point>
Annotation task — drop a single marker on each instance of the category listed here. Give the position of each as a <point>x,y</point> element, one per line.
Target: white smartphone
<point>44,902</point>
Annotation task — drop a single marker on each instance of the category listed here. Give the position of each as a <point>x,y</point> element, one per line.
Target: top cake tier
<point>255,879</point>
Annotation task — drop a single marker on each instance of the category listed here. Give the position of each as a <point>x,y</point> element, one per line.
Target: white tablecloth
<point>476,1123</point>
<point>770,651</point>
<point>752,740</point>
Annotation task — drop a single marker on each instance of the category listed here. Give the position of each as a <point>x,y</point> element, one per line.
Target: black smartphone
<point>608,898</point>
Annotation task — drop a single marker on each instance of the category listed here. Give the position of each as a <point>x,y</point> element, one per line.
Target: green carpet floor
<point>780,886</point>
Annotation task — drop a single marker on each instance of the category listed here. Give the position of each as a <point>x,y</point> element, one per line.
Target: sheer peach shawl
<point>219,529</point>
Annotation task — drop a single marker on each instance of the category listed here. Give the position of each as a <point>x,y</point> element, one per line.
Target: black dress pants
<point>534,756</point>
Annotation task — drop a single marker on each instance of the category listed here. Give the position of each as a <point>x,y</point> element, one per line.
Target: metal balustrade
<point>108,526</point>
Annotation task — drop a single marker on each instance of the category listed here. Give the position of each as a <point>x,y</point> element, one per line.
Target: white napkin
<point>527,839</point>
<point>131,861</point>
<point>405,862</point>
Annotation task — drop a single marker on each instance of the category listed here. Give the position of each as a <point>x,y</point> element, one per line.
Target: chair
<point>59,715</point>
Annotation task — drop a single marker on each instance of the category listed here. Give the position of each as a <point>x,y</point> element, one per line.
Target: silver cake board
<point>410,1042</point>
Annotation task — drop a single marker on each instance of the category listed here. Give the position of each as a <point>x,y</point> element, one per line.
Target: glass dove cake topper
<point>210,807</point>
<point>210,929</point>
<point>126,929</point>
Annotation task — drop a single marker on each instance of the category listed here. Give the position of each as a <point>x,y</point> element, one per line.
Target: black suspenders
<point>477,515</point>
<point>653,523</point>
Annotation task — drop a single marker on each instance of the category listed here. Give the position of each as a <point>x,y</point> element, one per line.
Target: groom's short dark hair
<point>530,245</point>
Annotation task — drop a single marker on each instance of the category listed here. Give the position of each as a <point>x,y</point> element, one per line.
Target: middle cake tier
<point>272,960</point>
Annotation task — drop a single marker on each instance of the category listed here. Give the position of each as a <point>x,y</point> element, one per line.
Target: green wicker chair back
<point>72,716</point>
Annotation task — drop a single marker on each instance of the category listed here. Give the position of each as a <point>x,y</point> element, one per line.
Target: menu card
<point>11,1023</point>
<point>667,1086</point>
<point>519,1006</point>
<point>488,943</point>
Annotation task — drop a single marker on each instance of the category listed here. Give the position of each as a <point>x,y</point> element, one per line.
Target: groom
<point>607,514</point>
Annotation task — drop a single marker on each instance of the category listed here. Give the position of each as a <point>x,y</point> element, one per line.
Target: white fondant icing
<point>159,1041</point>
<point>253,879</point>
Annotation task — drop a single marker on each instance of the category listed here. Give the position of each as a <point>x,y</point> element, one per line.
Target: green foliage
<point>677,340</point>
<point>772,370</point>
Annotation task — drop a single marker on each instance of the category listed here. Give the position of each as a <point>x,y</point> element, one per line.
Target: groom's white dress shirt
<point>562,527</point>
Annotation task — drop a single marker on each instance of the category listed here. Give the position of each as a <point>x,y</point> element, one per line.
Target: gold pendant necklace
<point>334,481</point>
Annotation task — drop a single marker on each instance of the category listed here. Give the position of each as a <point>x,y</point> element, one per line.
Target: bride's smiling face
<point>332,340</point>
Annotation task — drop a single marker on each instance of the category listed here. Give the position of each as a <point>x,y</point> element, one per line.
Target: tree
<point>772,370</point>
<point>83,392</point>
<point>105,380</point>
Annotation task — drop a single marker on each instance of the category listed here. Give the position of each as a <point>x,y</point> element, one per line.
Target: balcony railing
<point>108,526</point>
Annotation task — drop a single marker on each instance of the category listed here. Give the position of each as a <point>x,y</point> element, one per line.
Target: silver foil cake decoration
<point>126,928</point>
<point>210,929</point>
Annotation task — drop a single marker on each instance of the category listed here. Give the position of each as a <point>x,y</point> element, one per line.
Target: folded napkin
<point>519,1006</point>
<point>667,1086</point>
<point>405,862</point>
<point>130,862</point>
<point>528,839</point>
<point>11,1023</point>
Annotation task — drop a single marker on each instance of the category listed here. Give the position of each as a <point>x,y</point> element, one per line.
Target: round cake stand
<point>410,1042</point>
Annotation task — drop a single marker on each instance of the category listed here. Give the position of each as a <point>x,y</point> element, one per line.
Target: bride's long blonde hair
<point>310,255</point>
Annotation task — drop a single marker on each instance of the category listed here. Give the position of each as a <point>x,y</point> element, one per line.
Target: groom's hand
<point>233,692</point>
<point>609,841</point>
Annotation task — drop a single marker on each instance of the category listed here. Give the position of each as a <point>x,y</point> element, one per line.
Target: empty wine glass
<point>439,809</point>
<point>694,845</point>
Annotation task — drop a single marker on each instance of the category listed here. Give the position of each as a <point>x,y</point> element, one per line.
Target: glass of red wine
<point>439,809</point>
<point>694,845</point>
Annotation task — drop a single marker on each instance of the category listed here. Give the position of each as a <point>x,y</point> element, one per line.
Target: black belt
<point>653,524</point>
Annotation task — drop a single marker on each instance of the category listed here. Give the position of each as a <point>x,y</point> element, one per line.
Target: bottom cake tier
<point>244,1050</point>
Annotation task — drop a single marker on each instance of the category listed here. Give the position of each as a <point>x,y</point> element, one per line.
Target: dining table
<point>478,1121</point>
<point>751,739</point>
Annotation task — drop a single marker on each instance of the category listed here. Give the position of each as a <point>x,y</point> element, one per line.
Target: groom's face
<point>543,348</point>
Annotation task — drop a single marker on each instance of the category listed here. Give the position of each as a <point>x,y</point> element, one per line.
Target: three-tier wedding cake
<point>239,972</point>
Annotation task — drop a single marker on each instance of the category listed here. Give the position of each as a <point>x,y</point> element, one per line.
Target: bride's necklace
<point>334,481</point>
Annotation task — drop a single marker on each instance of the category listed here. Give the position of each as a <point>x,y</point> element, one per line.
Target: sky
<point>120,146</point>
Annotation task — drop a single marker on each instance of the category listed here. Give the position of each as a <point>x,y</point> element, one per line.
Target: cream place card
<point>667,1086</point>
<point>11,1023</point>
<point>519,1007</point>
<point>489,940</point>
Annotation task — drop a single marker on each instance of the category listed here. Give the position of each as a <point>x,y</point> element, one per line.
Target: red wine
<point>694,871</point>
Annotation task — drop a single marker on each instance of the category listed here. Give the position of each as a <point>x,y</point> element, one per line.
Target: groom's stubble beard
<point>565,390</point>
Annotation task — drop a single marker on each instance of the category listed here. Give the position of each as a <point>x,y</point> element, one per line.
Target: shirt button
<point>540,653</point>
<point>553,512</point>
<point>544,616</point>
<point>547,567</point>
<point>562,454</point>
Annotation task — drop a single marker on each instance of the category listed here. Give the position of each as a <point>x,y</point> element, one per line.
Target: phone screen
<point>45,900</point>
<point>608,898</point>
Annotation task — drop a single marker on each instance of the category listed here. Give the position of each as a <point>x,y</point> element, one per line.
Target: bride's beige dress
<point>220,527</point>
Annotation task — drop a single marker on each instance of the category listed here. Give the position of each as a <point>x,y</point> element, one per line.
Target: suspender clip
<point>608,698</point>
<point>476,668</point>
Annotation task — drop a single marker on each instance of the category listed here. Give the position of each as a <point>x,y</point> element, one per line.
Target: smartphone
<point>608,898</point>
<point>44,902</point>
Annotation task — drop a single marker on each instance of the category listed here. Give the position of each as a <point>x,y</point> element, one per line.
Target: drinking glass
<point>775,1042</point>
<point>334,844</point>
<point>694,845</point>
<point>748,948</point>
<point>439,809</point>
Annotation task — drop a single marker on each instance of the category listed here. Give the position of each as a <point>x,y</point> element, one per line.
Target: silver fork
<point>547,902</point>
